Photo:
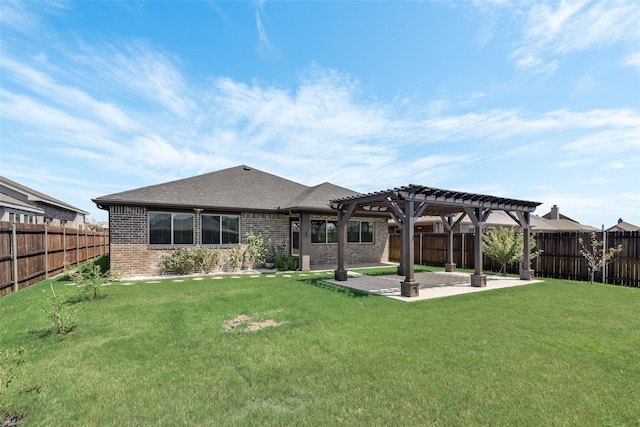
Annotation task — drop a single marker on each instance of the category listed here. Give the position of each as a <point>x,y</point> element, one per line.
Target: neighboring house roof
<point>36,196</point>
<point>563,225</point>
<point>623,226</point>
<point>555,214</point>
<point>502,219</point>
<point>10,202</point>
<point>237,188</point>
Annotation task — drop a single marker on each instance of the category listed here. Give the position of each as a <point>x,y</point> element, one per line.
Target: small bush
<point>59,312</point>
<point>283,260</point>
<point>89,278</point>
<point>236,256</point>
<point>256,252</point>
<point>207,259</point>
<point>180,261</point>
<point>292,263</point>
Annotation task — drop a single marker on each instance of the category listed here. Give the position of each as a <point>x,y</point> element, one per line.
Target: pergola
<point>405,204</point>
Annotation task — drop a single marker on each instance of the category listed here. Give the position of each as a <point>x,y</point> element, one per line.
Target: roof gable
<point>319,196</point>
<point>623,226</point>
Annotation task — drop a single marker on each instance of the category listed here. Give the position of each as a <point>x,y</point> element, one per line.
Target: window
<point>360,232</point>
<point>323,231</point>
<point>220,229</point>
<point>12,217</point>
<point>171,229</point>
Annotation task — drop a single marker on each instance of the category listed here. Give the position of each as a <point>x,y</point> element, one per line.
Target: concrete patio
<point>432,285</point>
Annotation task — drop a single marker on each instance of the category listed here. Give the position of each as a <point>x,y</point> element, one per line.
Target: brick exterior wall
<point>131,253</point>
<point>73,219</point>
<point>354,253</point>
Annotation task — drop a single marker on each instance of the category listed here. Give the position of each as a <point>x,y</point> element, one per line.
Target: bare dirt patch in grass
<point>247,325</point>
<point>10,420</point>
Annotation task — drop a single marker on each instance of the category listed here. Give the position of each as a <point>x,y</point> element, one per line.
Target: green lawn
<point>150,354</point>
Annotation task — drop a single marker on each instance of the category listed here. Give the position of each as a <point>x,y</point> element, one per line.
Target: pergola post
<point>399,217</point>
<point>526,273</point>
<point>450,265</point>
<point>305,242</point>
<point>340,273</point>
<point>478,279</point>
<point>409,287</point>
<point>400,269</point>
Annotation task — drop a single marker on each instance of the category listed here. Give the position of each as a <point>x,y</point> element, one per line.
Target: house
<point>551,222</point>
<point>19,203</point>
<point>218,209</point>
<point>623,226</point>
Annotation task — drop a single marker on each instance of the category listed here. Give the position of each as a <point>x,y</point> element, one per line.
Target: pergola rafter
<point>405,204</point>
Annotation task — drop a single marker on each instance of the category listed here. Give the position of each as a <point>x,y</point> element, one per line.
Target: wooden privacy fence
<point>33,252</point>
<point>560,259</point>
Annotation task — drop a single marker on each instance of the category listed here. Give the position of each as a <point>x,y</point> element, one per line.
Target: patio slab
<point>432,285</point>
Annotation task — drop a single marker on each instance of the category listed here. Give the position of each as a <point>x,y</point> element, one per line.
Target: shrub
<point>207,259</point>
<point>256,252</point>
<point>292,262</point>
<point>283,260</point>
<point>180,261</point>
<point>89,278</point>
<point>236,256</point>
<point>60,313</point>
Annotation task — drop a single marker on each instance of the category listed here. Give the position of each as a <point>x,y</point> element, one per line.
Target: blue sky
<point>531,100</point>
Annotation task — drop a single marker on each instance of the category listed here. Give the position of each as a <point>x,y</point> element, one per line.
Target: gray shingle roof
<point>237,188</point>
<point>623,226</point>
<point>37,196</point>
<point>319,196</point>
<point>9,201</point>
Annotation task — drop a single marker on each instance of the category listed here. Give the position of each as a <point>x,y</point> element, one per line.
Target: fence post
<point>14,253</point>
<point>77,247</point>
<point>604,251</point>
<point>46,253</point>
<point>462,236</point>
<point>64,246</point>
<point>86,246</point>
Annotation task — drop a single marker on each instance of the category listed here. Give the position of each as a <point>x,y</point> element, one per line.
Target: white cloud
<point>633,60</point>
<point>264,45</point>
<point>553,29</point>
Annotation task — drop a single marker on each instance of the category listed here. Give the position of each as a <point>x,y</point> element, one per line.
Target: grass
<point>554,353</point>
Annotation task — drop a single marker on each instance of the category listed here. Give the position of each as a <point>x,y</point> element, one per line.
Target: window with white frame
<point>324,231</point>
<point>360,232</point>
<point>171,228</point>
<point>220,229</point>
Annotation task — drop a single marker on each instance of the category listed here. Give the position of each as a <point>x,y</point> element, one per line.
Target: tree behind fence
<point>560,258</point>
<point>34,252</point>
